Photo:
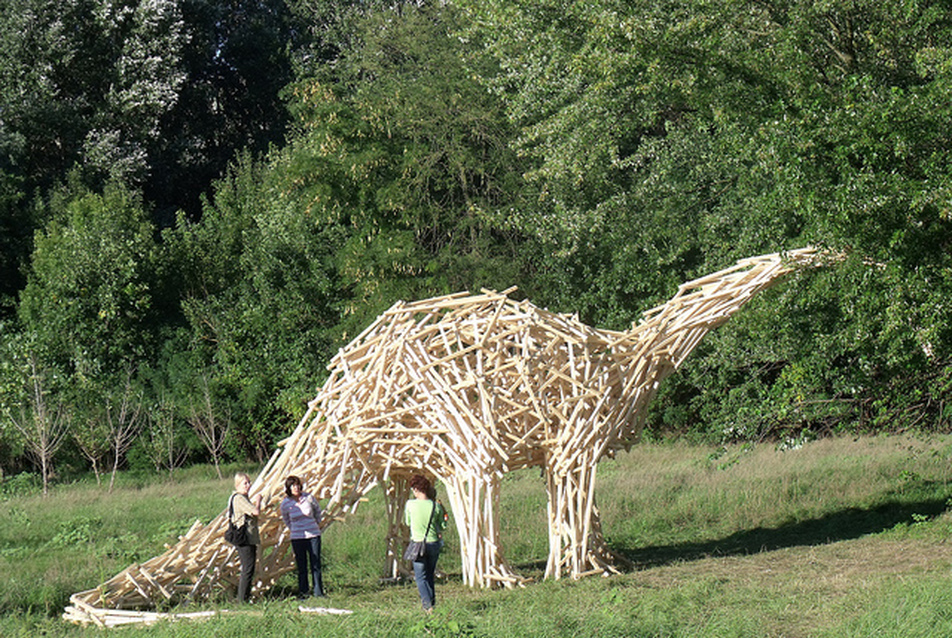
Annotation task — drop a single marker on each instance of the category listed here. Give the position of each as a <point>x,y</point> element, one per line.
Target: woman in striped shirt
<point>302,514</point>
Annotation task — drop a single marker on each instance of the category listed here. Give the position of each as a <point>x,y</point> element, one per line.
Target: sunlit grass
<point>840,537</point>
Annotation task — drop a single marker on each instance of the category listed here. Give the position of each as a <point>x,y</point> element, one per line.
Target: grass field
<point>847,537</point>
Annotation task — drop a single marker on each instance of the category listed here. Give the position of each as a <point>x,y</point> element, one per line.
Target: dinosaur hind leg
<point>576,544</point>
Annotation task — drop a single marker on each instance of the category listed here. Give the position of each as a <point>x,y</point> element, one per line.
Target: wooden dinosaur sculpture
<point>463,388</point>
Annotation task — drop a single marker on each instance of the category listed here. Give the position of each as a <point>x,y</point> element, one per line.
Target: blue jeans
<point>424,572</point>
<point>305,550</point>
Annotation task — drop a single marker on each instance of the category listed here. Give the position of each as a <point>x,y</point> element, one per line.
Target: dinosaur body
<point>465,388</point>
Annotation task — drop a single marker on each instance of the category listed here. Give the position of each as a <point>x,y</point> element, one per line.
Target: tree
<point>11,392</point>
<point>853,158</point>
<point>42,422</point>
<point>90,435</point>
<point>92,277</point>
<point>236,62</point>
<point>121,411</point>
<point>108,419</point>
<point>146,79</point>
<point>386,192</point>
<point>15,235</point>
<point>165,445</point>
<point>260,298</point>
<point>165,440</point>
<point>204,416</point>
<point>158,94</point>
<point>88,81</point>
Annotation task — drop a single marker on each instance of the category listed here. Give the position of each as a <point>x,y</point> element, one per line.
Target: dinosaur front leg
<point>396,493</point>
<point>475,502</point>
<point>576,544</point>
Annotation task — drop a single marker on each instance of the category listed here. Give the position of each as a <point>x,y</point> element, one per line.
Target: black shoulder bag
<point>416,549</point>
<point>236,535</point>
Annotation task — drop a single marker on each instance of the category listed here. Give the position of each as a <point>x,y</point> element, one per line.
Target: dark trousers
<point>308,550</point>
<point>247,555</point>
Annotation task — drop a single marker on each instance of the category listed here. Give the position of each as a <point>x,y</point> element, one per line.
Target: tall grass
<point>840,537</point>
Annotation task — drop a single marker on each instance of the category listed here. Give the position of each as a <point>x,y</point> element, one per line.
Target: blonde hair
<point>239,476</point>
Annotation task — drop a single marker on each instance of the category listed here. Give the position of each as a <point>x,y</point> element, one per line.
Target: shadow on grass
<point>846,524</point>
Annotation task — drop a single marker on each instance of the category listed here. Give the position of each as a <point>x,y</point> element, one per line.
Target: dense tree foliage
<point>157,94</point>
<point>399,145</point>
<point>676,137</point>
<point>237,61</point>
<point>90,295</point>
<point>200,200</point>
<point>259,294</point>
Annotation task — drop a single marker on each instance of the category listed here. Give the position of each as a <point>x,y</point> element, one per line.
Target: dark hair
<point>422,484</point>
<point>291,481</point>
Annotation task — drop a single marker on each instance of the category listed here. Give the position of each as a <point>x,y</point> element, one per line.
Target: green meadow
<point>842,537</point>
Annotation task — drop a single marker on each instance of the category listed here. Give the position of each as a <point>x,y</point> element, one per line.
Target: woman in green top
<point>426,519</point>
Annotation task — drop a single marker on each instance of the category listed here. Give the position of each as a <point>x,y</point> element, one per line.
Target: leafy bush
<point>76,531</point>
<point>20,485</point>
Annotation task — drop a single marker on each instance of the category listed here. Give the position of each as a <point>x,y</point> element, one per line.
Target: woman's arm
<point>286,513</point>
<point>244,505</point>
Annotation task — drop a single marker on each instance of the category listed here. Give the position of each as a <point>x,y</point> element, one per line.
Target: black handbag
<point>237,535</point>
<point>416,549</point>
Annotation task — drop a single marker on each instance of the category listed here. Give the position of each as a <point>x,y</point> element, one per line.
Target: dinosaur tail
<point>201,562</point>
